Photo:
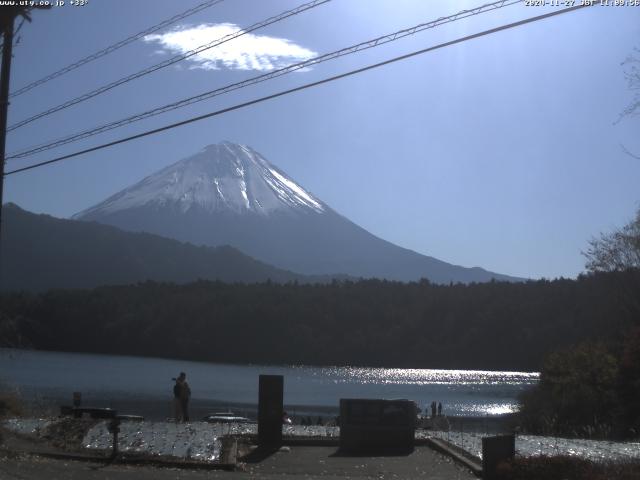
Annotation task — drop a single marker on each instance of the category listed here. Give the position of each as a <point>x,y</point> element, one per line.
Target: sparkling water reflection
<point>308,390</point>
<point>417,376</point>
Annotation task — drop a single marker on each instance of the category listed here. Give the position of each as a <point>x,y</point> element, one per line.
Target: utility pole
<point>8,15</point>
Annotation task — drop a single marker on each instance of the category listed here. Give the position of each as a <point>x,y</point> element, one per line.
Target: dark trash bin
<point>377,426</point>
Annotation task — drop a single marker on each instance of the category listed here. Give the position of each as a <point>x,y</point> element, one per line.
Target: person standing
<point>184,395</point>
<point>439,409</point>
<point>177,409</point>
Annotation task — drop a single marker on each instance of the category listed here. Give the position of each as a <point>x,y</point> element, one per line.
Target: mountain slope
<point>41,252</point>
<point>223,178</point>
<point>230,194</point>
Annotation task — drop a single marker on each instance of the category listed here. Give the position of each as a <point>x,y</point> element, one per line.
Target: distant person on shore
<point>177,410</point>
<point>439,409</point>
<point>433,409</point>
<point>182,392</point>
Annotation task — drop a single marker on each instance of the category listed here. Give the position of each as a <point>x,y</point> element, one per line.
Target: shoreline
<point>156,409</point>
<point>138,386</point>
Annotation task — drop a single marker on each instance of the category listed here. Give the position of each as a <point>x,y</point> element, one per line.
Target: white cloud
<point>247,52</point>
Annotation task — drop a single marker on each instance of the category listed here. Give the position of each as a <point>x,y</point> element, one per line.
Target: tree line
<point>495,325</point>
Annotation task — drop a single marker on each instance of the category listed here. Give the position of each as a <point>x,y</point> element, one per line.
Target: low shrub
<point>10,405</point>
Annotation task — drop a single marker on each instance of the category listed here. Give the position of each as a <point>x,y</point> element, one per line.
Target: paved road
<point>296,463</point>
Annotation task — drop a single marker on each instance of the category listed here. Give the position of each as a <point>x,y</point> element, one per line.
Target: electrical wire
<point>168,62</point>
<point>115,46</point>
<point>302,87</point>
<point>261,78</point>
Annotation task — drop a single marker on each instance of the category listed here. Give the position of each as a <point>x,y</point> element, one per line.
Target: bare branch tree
<point>631,154</point>
<point>615,251</point>
<point>632,75</point>
<point>631,67</point>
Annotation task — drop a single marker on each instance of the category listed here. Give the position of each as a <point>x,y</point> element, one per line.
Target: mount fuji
<point>228,194</point>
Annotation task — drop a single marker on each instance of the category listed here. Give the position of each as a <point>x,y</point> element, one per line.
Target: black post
<point>270,410</point>
<point>4,97</point>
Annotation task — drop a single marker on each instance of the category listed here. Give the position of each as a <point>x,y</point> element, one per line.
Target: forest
<point>495,325</point>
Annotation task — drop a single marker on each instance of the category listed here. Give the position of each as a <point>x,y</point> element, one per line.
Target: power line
<point>303,87</point>
<point>262,78</point>
<point>170,61</point>
<point>116,46</point>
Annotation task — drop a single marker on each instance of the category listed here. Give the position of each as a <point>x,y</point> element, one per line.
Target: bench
<point>93,412</point>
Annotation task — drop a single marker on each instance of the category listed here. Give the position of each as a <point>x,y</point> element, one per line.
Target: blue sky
<point>502,152</point>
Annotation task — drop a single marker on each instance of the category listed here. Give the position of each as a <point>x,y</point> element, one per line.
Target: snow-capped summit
<point>220,177</point>
<point>228,194</point>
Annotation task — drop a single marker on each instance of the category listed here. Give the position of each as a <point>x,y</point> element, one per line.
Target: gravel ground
<point>200,441</point>
<point>291,464</point>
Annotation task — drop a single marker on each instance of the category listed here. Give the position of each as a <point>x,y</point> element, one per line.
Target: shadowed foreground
<point>294,463</point>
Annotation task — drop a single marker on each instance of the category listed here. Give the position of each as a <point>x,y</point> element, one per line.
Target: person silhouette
<point>183,395</point>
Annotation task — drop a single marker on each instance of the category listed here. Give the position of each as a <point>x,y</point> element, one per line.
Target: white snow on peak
<point>220,177</point>
<point>299,191</point>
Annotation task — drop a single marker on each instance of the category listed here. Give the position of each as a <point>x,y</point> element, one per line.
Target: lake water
<point>100,378</point>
